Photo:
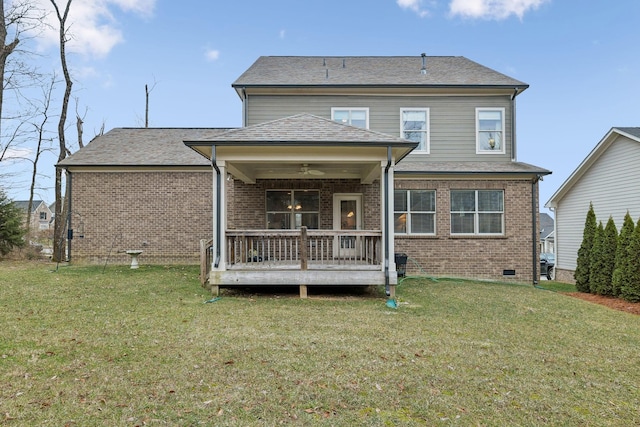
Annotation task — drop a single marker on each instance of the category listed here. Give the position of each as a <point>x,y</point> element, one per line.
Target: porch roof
<point>416,167</point>
<point>286,148</point>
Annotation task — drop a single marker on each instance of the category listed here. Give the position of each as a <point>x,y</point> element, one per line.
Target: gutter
<point>387,249</point>
<point>217,225</point>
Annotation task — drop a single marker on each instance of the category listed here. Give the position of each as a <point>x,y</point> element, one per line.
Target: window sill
<point>478,236</point>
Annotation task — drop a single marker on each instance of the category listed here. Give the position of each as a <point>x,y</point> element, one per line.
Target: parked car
<point>547,265</point>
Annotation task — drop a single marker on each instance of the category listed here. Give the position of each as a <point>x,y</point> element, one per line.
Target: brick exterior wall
<point>163,213</point>
<point>246,209</point>
<point>167,213</point>
<point>482,257</point>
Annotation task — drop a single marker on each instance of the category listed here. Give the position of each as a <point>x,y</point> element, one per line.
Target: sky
<point>579,57</point>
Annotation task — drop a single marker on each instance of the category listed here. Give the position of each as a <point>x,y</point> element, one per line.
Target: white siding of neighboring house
<point>612,184</point>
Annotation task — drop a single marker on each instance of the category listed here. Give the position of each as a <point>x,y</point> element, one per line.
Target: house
<point>547,233</point>
<point>341,163</point>
<point>40,216</point>
<point>608,178</point>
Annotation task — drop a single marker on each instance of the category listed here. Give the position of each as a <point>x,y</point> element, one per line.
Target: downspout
<point>387,249</point>
<point>513,125</point>
<point>535,236</point>
<point>217,225</point>
<point>69,229</point>
<point>245,101</point>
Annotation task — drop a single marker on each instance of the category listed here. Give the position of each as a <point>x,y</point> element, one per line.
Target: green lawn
<point>84,346</point>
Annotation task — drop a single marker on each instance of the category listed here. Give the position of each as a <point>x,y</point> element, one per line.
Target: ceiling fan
<point>305,170</point>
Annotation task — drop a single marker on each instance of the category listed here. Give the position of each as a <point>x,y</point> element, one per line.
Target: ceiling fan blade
<point>314,172</point>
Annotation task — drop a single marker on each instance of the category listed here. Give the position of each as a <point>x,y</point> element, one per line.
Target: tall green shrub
<point>622,255</point>
<point>603,259</point>
<point>584,253</point>
<point>11,225</point>
<point>595,258</point>
<point>630,289</point>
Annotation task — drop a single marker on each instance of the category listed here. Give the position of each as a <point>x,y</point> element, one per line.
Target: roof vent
<point>423,70</point>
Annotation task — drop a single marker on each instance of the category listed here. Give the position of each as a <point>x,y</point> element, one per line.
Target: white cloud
<point>212,54</point>
<point>493,9</point>
<point>15,154</point>
<point>282,34</point>
<point>93,28</point>
<point>414,6</point>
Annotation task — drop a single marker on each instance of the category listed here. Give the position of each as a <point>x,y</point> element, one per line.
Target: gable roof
<point>546,225</point>
<point>304,128</point>
<point>441,71</point>
<point>24,204</point>
<point>633,133</point>
<point>142,147</point>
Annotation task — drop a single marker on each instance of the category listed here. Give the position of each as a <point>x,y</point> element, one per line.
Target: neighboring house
<point>341,163</point>
<point>609,178</point>
<point>40,216</point>
<point>547,233</point>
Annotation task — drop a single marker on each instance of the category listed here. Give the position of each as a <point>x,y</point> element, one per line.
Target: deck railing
<point>300,249</point>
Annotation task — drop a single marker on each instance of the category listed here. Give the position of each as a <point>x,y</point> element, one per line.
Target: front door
<point>347,215</point>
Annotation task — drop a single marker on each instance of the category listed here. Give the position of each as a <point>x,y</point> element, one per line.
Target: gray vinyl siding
<point>612,184</point>
<point>452,118</point>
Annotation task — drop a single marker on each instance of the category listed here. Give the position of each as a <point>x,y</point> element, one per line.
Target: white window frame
<point>408,212</point>
<point>476,215</point>
<point>502,132</point>
<point>427,139</point>
<point>350,110</point>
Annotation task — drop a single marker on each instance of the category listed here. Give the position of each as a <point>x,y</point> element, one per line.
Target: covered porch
<point>291,243</point>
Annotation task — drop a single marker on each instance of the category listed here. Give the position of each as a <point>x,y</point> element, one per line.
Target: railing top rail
<point>292,233</point>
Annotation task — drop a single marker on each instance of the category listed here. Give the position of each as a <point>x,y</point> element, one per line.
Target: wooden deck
<point>296,257</point>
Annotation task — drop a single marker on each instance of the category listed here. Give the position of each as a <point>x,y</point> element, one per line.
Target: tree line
<point>609,262</point>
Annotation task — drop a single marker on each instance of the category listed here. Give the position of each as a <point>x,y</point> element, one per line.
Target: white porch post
<point>387,225</point>
<point>220,217</point>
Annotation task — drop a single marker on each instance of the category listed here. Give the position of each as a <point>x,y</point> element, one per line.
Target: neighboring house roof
<point>142,147</point>
<point>441,71</point>
<point>24,204</point>
<point>546,225</point>
<point>417,166</point>
<point>633,133</point>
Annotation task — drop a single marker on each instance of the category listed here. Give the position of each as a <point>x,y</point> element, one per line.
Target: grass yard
<point>84,346</point>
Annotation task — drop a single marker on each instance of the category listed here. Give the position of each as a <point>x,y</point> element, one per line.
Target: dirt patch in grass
<point>614,303</point>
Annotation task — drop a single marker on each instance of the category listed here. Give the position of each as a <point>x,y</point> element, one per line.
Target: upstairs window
<point>414,126</point>
<point>358,117</point>
<point>43,216</point>
<point>291,209</point>
<point>415,211</point>
<point>477,212</point>
<point>490,130</point>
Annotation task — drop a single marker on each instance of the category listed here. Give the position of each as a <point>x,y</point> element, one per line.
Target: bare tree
<point>21,17</point>
<point>59,226</point>
<point>147,91</point>
<point>79,125</point>
<point>41,146</point>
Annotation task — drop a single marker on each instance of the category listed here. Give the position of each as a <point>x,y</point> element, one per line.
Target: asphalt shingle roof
<point>631,131</point>
<point>305,128</point>
<point>443,71</point>
<point>143,147</point>
<point>427,167</point>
